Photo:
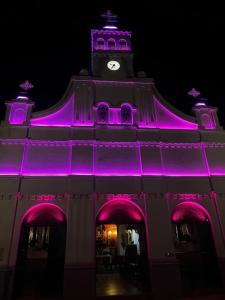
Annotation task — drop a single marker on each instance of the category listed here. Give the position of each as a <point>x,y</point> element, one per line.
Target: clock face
<point>113,65</point>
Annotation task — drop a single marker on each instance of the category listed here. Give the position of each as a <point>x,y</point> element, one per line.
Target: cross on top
<point>111,19</point>
<point>194,93</point>
<point>109,16</point>
<point>26,85</point>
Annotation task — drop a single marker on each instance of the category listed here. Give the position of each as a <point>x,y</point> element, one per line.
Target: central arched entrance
<point>41,252</point>
<point>121,251</point>
<point>194,247</point>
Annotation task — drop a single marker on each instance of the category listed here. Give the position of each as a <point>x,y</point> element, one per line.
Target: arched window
<point>126,114</point>
<point>206,121</point>
<point>103,113</point>
<point>122,44</point>
<point>100,44</point>
<point>111,44</point>
<point>18,116</point>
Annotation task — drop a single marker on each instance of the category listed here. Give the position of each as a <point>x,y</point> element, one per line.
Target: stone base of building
<point>165,278</point>
<point>79,283</point>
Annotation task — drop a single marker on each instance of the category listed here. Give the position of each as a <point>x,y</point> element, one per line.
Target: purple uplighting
<point>64,117</point>
<point>168,120</point>
<point>64,158</point>
<point>101,39</point>
<point>44,213</point>
<point>189,211</point>
<point>120,209</point>
<point>18,112</point>
<point>17,116</point>
<point>61,117</point>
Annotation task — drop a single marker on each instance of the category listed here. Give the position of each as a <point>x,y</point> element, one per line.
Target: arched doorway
<point>41,252</point>
<point>121,250</point>
<point>194,247</point>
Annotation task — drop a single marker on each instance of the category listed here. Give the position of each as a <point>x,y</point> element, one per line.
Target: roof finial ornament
<point>199,101</point>
<point>111,20</point>
<point>194,93</point>
<point>25,87</point>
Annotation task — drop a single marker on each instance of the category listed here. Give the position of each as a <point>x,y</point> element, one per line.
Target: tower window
<point>126,114</point>
<point>100,44</point>
<point>111,44</point>
<point>103,113</point>
<point>122,44</point>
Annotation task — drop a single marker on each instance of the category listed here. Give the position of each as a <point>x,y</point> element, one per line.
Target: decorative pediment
<point>79,107</point>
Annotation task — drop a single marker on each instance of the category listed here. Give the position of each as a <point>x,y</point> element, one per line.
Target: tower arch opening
<point>122,44</point>
<point>111,43</point>
<point>100,44</point>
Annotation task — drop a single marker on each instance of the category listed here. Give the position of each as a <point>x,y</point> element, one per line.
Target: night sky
<point>179,45</point>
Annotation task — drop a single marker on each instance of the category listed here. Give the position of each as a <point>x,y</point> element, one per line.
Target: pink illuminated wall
<point>61,117</point>
<point>151,160</point>
<point>42,159</point>
<point>184,160</point>
<point>82,159</point>
<point>18,111</point>
<point>44,214</point>
<point>62,158</point>
<point>79,110</point>
<point>120,210</point>
<point>216,159</point>
<point>189,211</point>
<point>17,116</point>
<point>168,120</point>
<point>120,160</point>
<point>11,157</point>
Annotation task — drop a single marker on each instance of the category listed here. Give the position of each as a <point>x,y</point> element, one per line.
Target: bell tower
<point>112,57</point>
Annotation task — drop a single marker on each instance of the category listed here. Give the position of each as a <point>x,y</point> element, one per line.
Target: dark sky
<point>178,43</point>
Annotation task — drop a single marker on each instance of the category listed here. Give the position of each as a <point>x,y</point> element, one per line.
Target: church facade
<point>112,153</point>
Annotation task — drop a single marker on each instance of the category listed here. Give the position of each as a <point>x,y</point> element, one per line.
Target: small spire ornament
<point>194,93</point>
<point>111,20</point>
<point>199,101</point>
<point>26,85</point>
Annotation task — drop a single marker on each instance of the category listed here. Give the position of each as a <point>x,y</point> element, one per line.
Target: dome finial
<point>199,101</point>
<point>25,87</point>
<point>194,93</point>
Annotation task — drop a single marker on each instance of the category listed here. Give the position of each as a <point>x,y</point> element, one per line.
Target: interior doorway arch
<point>41,252</point>
<point>121,249</point>
<point>194,247</point>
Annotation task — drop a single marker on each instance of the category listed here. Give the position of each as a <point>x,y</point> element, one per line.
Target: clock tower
<point>112,57</point>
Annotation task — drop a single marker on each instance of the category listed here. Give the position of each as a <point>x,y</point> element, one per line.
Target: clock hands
<point>113,65</point>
